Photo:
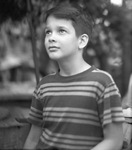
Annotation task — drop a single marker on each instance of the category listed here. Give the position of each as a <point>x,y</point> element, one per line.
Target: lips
<point>53,48</point>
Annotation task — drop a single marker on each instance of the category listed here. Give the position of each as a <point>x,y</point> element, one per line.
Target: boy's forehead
<point>58,21</point>
<point>52,18</point>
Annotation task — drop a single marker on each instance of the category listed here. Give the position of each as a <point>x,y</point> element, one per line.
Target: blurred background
<point>24,61</point>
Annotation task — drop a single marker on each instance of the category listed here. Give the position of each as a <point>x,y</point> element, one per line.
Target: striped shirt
<point>73,110</point>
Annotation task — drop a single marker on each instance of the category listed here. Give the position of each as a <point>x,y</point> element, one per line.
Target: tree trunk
<point>33,40</point>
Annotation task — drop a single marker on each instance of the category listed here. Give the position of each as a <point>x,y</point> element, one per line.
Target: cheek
<point>45,46</point>
<point>69,41</point>
<point>72,42</point>
<point>45,43</point>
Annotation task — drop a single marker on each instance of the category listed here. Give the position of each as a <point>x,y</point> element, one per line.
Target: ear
<point>83,41</point>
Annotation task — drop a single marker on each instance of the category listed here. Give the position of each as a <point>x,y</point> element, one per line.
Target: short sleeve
<point>110,108</point>
<point>36,110</point>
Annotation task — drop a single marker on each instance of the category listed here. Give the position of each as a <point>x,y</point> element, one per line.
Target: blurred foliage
<point>14,9</point>
<point>109,49</point>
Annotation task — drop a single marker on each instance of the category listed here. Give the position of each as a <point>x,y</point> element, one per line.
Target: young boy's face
<point>61,41</point>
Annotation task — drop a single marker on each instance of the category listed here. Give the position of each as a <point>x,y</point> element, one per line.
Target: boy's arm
<point>33,137</point>
<point>113,137</point>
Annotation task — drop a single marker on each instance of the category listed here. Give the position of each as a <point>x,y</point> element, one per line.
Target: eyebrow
<point>47,27</point>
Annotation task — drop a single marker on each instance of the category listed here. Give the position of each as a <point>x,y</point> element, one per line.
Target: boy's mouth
<point>53,48</point>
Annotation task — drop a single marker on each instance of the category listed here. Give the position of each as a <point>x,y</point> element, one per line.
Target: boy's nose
<point>52,38</point>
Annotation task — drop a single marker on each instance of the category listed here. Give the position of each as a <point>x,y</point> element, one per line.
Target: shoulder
<point>103,77</point>
<point>46,79</point>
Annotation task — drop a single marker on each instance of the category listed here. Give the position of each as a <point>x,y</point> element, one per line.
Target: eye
<point>47,32</point>
<point>62,31</point>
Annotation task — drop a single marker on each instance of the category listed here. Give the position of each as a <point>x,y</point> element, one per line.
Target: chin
<point>54,58</point>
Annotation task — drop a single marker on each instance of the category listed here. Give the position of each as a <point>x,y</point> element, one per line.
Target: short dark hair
<point>81,20</point>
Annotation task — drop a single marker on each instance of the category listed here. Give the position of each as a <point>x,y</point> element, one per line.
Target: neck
<point>72,68</point>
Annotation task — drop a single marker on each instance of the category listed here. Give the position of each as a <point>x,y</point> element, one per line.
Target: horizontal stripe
<point>108,117</point>
<point>66,141</point>
<point>77,83</point>
<point>106,95</point>
<point>71,136</point>
<point>31,117</point>
<point>112,115</point>
<point>35,115</point>
<point>70,115</point>
<point>70,109</point>
<point>69,141</point>
<point>119,119</point>
<point>82,88</point>
<point>36,110</point>
<point>67,89</point>
<point>65,146</point>
<point>73,120</point>
<point>111,87</point>
<point>114,109</point>
<point>118,114</point>
<point>69,94</point>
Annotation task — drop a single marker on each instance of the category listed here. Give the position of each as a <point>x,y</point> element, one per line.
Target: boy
<point>79,107</point>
